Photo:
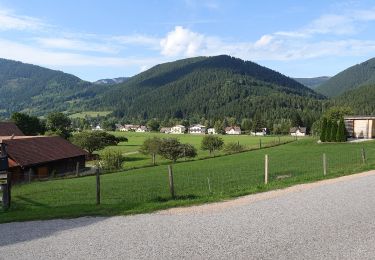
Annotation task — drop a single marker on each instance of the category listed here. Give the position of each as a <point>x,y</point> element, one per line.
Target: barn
<point>39,157</point>
<point>360,126</point>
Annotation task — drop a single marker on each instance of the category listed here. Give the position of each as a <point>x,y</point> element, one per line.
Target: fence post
<point>209,185</point>
<point>97,186</point>
<point>77,169</point>
<point>7,192</point>
<point>324,164</point>
<point>266,169</point>
<point>363,155</point>
<point>260,143</point>
<point>171,183</point>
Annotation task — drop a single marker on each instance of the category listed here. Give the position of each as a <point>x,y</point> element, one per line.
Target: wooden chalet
<point>39,157</point>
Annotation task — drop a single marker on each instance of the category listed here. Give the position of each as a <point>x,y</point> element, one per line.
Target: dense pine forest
<point>37,90</point>
<point>351,78</point>
<point>212,88</point>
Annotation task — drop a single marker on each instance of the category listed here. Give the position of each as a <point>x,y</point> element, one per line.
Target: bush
<point>111,160</point>
<point>212,143</point>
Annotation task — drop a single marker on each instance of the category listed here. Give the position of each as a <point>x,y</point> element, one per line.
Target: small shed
<point>360,126</point>
<point>42,156</point>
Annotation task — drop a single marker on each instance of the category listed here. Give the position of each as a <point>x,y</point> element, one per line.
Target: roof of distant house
<point>294,129</point>
<point>31,151</point>
<point>235,128</point>
<point>9,129</point>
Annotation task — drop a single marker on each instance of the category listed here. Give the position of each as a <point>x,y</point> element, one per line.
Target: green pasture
<point>199,181</point>
<point>134,159</point>
<point>90,114</point>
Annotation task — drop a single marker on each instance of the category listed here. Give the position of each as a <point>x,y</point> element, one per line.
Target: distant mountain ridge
<point>351,78</point>
<point>111,81</point>
<point>201,87</point>
<point>312,82</point>
<point>37,90</point>
<point>211,87</point>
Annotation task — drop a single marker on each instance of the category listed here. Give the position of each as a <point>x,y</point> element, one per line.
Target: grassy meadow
<point>134,159</point>
<point>200,181</point>
<point>89,114</point>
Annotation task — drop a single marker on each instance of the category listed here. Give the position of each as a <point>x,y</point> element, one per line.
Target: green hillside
<point>37,90</point>
<point>312,82</point>
<point>361,100</point>
<point>351,78</point>
<point>210,87</point>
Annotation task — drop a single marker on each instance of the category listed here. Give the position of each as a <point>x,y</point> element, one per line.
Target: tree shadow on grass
<point>133,159</point>
<point>178,197</point>
<point>32,202</point>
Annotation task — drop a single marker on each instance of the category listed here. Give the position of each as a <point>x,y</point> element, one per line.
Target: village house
<point>97,128</point>
<point>297,131</point>
<point>38,157</point>
<point>119,127</point>
<point>178,129</point>
<point>129,127</point>
<point>261,132</point>
<point>360,126</point>
<point>233,130</point>
<point>211,131</point>
<point>165,130</point>
<point>141,129</point>
<point>197,129</point>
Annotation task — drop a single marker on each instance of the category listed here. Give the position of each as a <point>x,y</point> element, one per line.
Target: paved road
<point>329,220</point>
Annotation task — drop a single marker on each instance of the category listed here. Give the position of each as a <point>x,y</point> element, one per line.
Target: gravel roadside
<point>332,219</point>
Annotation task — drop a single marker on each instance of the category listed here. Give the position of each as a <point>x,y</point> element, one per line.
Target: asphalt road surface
<point>333,219</point>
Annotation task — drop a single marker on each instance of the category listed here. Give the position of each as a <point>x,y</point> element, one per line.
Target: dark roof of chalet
<point>29,151</point>
<point>9,129</point>
<point>294,129</point>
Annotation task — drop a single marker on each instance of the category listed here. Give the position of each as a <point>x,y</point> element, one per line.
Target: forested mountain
<point>351,78</point>
<point>37,90</point>
<point>210,87</point>
<point>312,82</point>
<point>361,100</point>
<point>111,81</point>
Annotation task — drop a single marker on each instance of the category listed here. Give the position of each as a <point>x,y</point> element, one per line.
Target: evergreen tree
<point>296,120</point>
<point>334,131</point>
<point>341,132</point>
<point>328,131</point>
<point>323,132</point>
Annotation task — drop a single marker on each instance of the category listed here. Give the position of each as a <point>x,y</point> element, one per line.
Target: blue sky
<point>103,39</point>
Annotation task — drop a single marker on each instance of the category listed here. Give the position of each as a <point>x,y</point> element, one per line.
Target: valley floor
<point>330,219</point>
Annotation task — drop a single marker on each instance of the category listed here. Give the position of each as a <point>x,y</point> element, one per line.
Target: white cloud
<point>137,39</point>
<point>264,40</point>
<point>11,21</point>
<point>22,52</point>
<point>75,44</point>
<point>184,42</point>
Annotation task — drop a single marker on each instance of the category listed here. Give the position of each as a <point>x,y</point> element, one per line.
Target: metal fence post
<point>363,155</point>
<point>324,164</point>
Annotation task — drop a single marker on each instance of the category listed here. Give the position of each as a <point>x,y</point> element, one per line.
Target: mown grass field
<point>134,159</point>
<point>146,189</point>
<point>89,114</point>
